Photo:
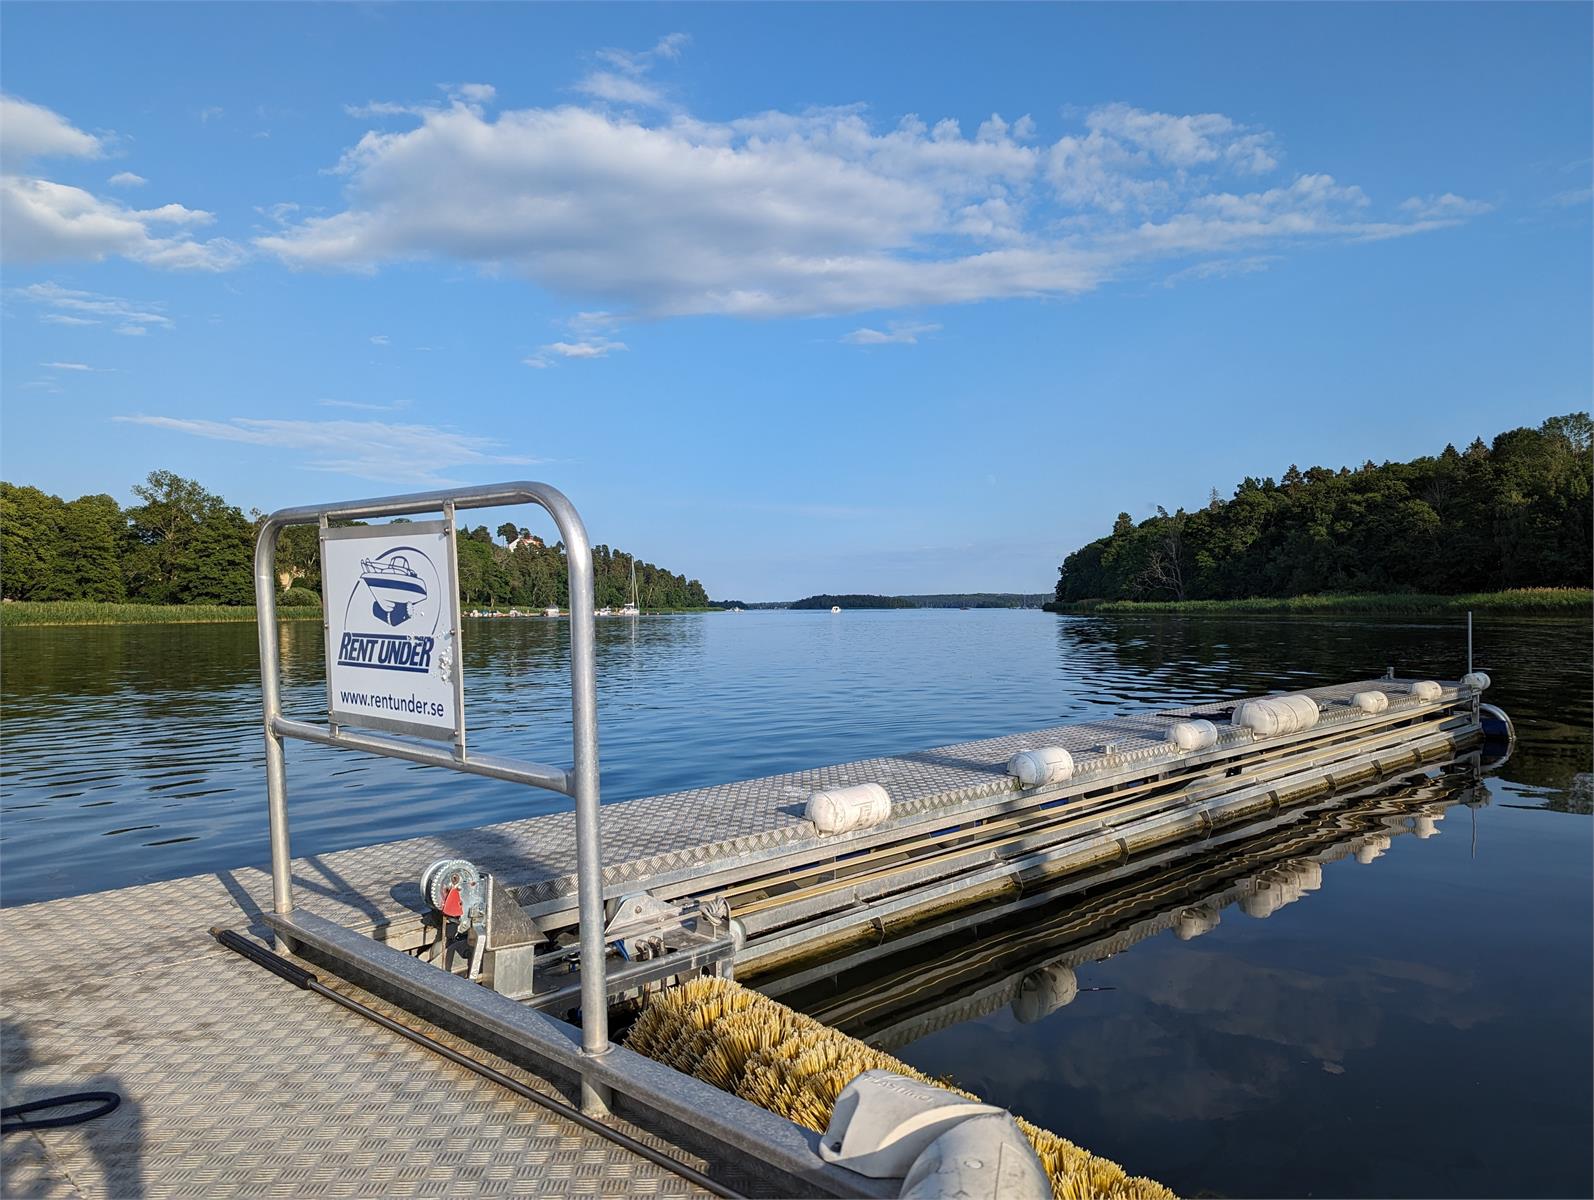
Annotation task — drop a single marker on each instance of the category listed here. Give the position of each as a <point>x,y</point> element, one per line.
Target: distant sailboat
<point>629,608</point>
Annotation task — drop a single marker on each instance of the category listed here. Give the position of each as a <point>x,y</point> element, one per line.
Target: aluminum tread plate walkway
<point>237,1084</point>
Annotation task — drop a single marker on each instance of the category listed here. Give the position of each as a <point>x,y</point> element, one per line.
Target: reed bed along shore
<point>1566,602</point>
<point>89,612</point>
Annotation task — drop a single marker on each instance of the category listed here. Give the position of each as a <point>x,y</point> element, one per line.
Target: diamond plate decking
<point>235,1083</point>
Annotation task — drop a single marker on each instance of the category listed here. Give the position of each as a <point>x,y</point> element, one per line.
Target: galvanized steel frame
<point>580,782</point>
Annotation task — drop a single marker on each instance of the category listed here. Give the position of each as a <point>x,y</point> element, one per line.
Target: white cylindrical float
<point>1370,702</point>
<point>839,810</point>
<point>1304,709</point>
<point>1037,768</point>
<point>1476,680</point>
<point>1193,735</point>
<point>1425,689</point>
<point>1261,717</point>
<point>1275,715</point>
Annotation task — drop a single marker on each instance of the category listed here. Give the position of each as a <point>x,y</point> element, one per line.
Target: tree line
<point>827,602</point>
<point>182,544</point>
<point>937,600</point>
<point>1513,513</point>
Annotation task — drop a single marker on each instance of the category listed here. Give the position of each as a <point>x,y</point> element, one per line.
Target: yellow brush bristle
<point>784,1061</point>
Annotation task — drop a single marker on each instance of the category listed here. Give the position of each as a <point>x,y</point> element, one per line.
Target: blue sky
<point>794,299</point>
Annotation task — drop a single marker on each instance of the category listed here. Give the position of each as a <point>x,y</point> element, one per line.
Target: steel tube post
<point>271,703</point>
<point>589,838</point>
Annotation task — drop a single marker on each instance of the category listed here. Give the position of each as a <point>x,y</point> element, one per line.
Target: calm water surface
<point>1419,1026</point>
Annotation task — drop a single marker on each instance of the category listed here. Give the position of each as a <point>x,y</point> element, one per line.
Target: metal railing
<point>580,782</point>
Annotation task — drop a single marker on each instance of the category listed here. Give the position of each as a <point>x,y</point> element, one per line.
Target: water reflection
<point>1383,996</point>
<point>1025,954</point>
<point>1419,1026</point>
<point>131,753</point>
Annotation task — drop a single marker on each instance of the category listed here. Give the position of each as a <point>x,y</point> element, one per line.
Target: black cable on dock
<point>302,978</point>
<point>16,1120</point>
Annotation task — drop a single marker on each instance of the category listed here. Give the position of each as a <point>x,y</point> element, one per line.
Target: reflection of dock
<point>1025,953</point>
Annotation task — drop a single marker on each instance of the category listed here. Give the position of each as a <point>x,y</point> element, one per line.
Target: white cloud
<point>1574,197</point>
<point>69,366</point>
<point>29,131</point>
<point>42,221</point>
<point>626,82</point>
<point>1218,268</point>
<point>363,406</point>
<point>822,211</point>
<point>1446,207</point>
<point>379,339</point>
<point>593,347</point>
<point>127,179</point>
<point>540,362</point>
<point>895,334</point>
<point>620,89</point>
<point>68,306</point>
<point>1130,160</point>
<point>374,450</point>
<point>212,113</point>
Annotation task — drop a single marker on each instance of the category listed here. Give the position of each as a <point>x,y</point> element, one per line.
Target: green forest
<point>181,544</point>
<point>851,601</point>
<point>939,600</point>
<point>1514,513</point>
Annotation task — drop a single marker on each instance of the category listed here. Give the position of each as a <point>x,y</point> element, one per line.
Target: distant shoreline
<point>1564,602</point>
<point>18,613</point>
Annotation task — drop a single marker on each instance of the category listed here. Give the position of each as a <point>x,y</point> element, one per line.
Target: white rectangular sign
<point>392,606</point>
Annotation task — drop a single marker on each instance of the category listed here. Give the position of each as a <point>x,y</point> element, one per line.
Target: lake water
<point>1419,1026</point>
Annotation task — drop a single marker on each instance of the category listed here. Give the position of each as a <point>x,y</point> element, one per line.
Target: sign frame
<point>449,641</point>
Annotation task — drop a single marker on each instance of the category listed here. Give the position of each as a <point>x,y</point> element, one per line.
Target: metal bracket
<point>508,945</point>
<point>640,924</point>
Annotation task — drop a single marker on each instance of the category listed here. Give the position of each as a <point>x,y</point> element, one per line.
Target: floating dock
<point>502,952</point>
<point>237,1084</point>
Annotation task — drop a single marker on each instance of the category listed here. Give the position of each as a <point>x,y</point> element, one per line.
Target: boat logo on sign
<point>392,594</point>
<point>396,587</point>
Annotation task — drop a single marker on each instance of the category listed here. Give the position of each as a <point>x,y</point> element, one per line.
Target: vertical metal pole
<point>271,705</point>
<point>454,607</point>
<point>1469,641</point>
<point>589,841</point>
